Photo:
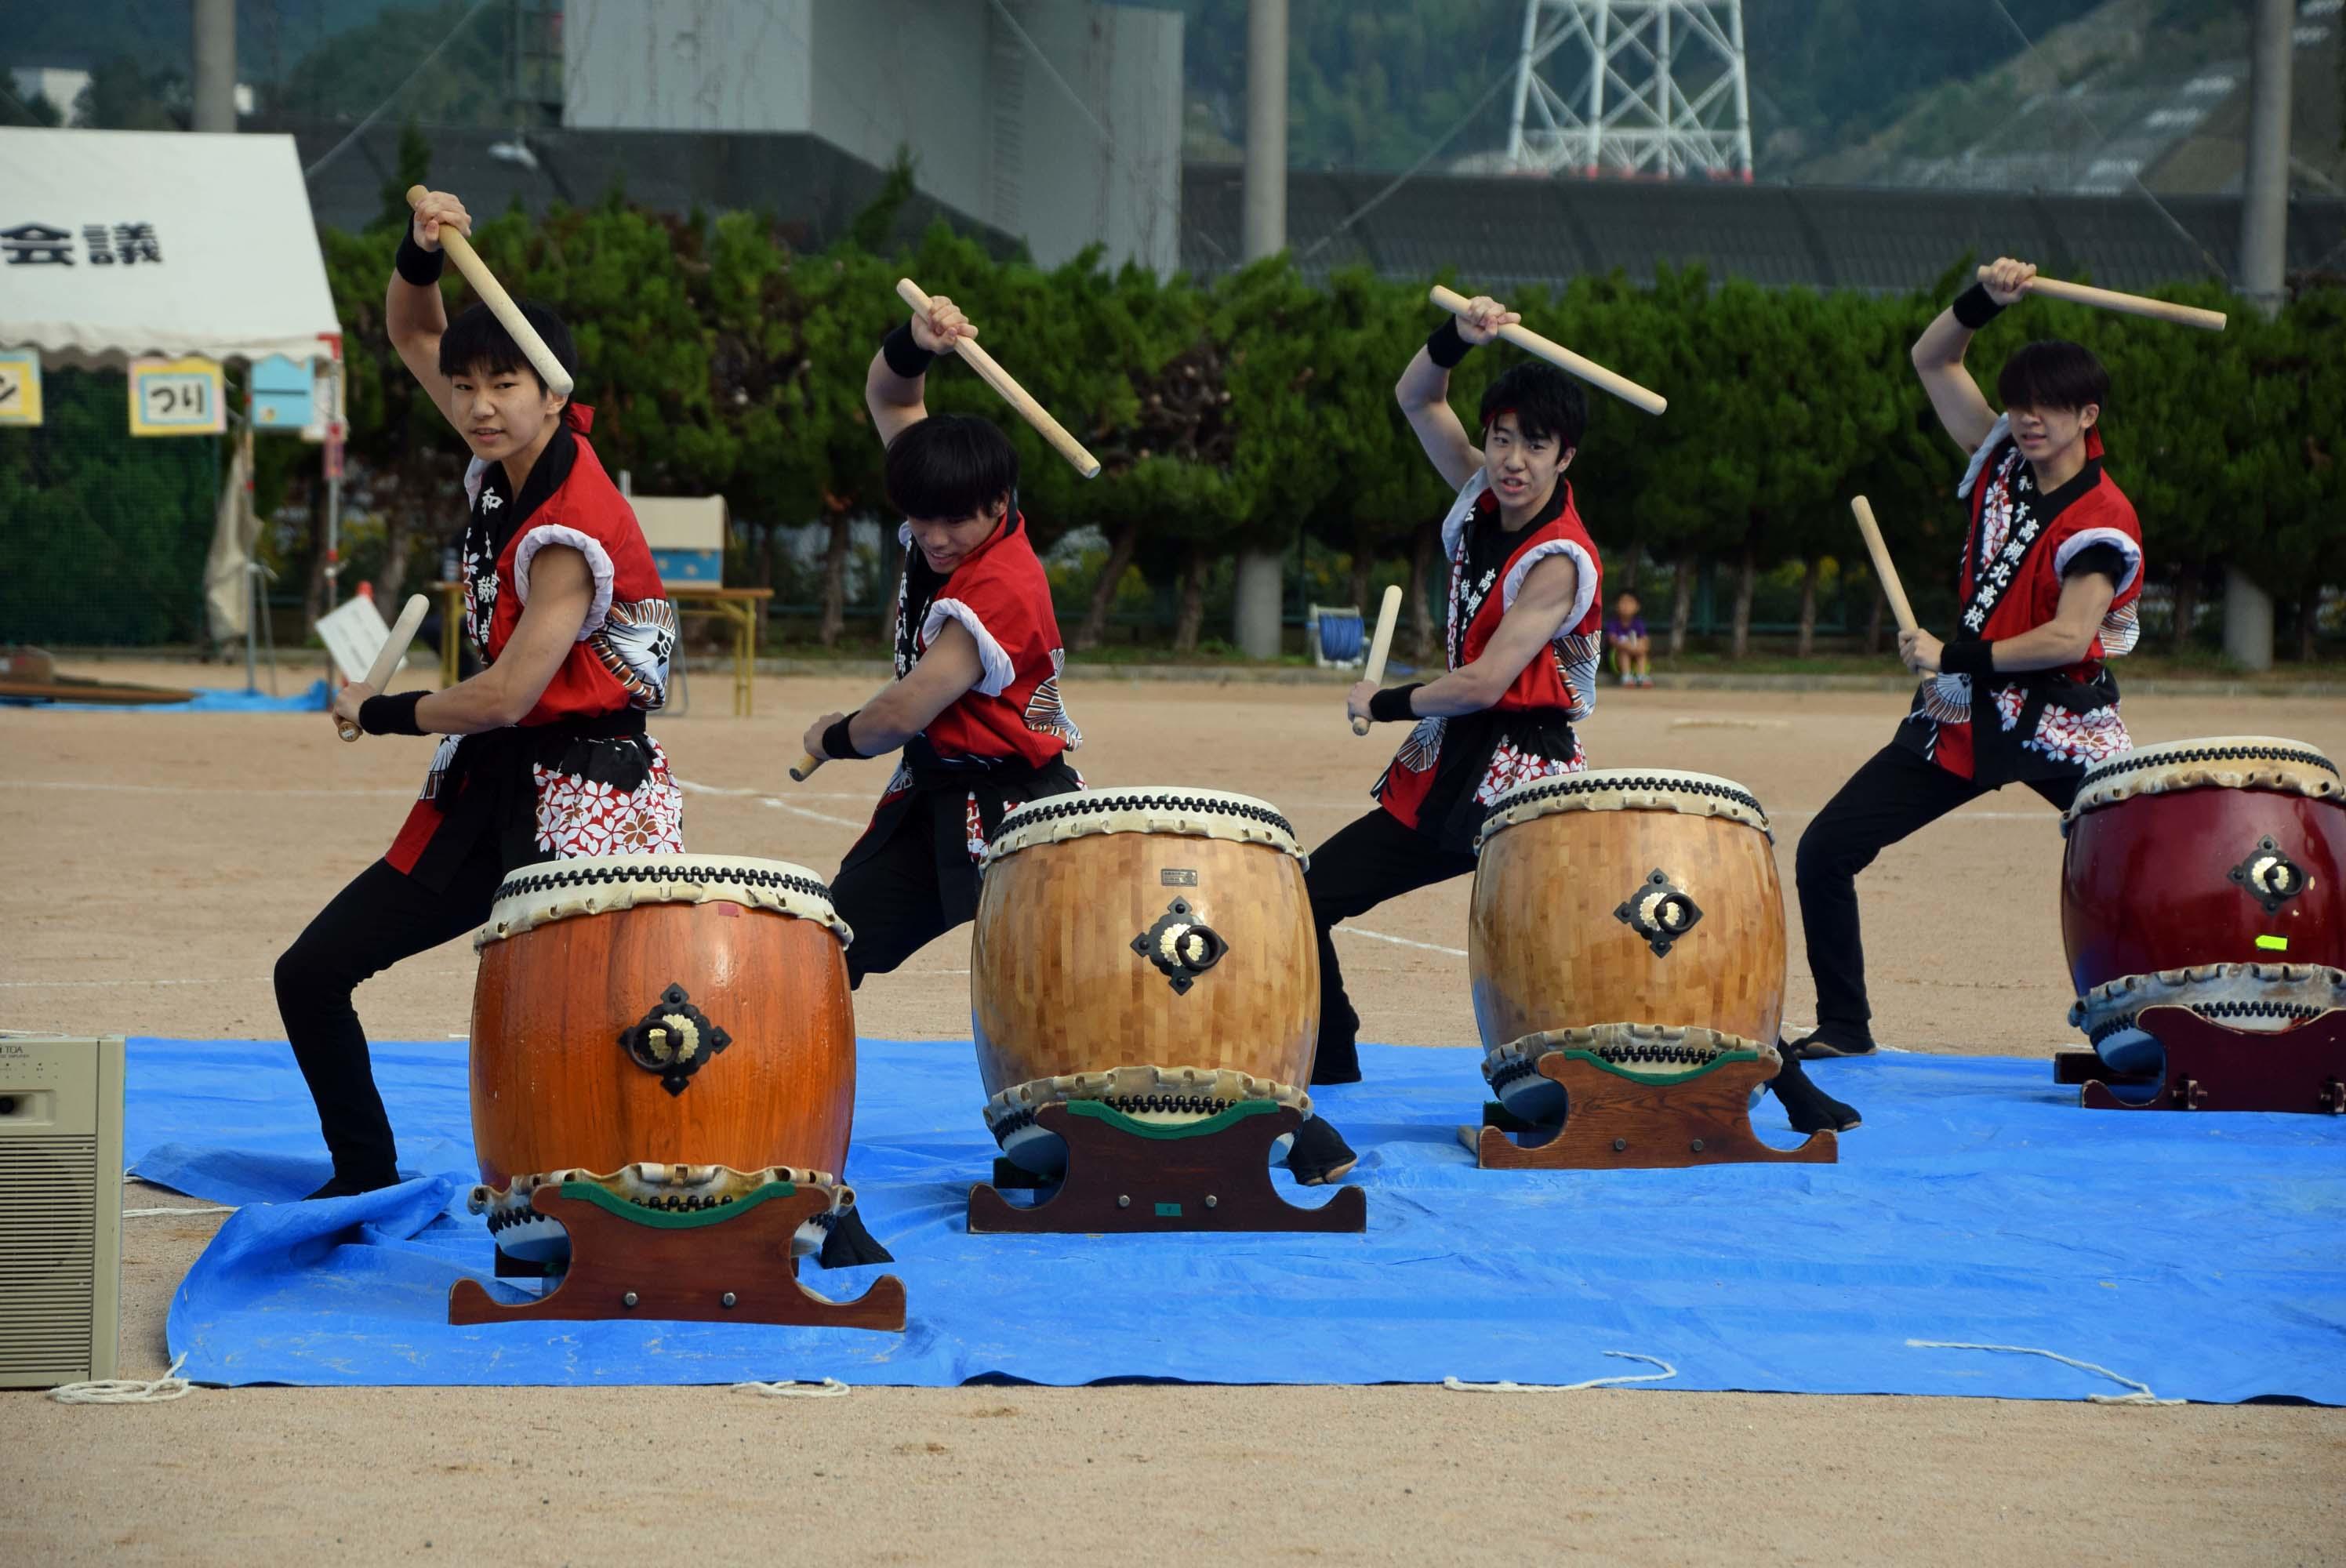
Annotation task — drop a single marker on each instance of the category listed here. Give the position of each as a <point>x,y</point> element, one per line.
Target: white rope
<point>1667,1371</point>
<point>151,1213</point>
<point>126,1390</point>
<point>828,1389</point>
<point>2140,1396</point>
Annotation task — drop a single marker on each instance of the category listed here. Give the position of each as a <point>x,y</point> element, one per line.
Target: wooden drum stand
<point>1124,1175</point>
<point>2211,1066</point>
<point>1618,1120</point>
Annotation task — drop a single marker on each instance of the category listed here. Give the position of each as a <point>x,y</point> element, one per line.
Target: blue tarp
<point>2202,1254</point>
<point>314,698</point>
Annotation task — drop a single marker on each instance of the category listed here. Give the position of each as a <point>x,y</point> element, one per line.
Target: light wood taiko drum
<point>685,1011</point>
<point>1151,948</point>
<point>1637,897</point>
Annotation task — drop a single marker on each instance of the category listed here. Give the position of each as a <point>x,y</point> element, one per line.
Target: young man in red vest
<point>2052,566</point>
<point>1520,652</point>
<point>544,753</point>
<point>974,706</point>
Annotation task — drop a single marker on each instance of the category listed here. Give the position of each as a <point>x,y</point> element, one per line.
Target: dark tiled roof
<point>810,185</point>
<point>1498,230</point>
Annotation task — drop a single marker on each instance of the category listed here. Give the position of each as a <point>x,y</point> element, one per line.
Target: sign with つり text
<point>176,397</point>
<point>20,386</point>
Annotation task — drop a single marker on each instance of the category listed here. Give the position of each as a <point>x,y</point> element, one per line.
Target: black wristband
<point>1447,347</point>
<point>1970,656</point>
<point>1975,308</point>
<point>840,746</point>
<point>391,715</point>
<point>905,356</point>
<point>1391,705</point>
<point>417,265</point>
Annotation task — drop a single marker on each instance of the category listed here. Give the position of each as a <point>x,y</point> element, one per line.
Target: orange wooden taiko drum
<point>1151,948</point>
<point>675,1027</point>
<point>1621,906</point>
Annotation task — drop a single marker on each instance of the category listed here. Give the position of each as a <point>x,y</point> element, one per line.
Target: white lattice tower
<point>1647,86</point>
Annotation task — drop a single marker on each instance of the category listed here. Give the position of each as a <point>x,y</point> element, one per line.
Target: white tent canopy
<point>119,243</point>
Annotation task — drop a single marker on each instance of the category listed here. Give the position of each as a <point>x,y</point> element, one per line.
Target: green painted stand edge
<point>674,1219</point>
<point>1100,1110</point>
<point>1713,1065</point>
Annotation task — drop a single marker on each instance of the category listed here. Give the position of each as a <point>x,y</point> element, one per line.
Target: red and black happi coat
<point>578,776</point>
<point>1001,742</point>
<point>2049,724</point>
<point>1450,770</point>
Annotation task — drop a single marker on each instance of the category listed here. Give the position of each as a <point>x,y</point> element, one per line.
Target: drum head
<point>1144,808</point>
<point>2213,762</point>
<point>1624,789</point>
<point>559,889</point>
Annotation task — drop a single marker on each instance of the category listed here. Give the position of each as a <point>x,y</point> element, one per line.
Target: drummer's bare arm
<point>1530,624</point>
<point>895,400</point>
<point>2059,643</point>
<point>904,708</point>
<point>561,592</point>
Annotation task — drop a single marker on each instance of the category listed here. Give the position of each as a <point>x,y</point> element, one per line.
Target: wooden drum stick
<point>1881,568</point>
<point>2124,304</point>
<point>395,648</point>
<point>500,303</point>
<point>1016,396</point>
<point>1557,354</point>
<point>803,769</point>
<point>1380,645</point>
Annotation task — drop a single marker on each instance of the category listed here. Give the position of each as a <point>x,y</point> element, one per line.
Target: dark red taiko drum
<point>2221,853</point>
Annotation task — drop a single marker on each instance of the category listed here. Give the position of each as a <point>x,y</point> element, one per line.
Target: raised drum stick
<point>395,648</point>
<point>500,303</point>
<point>1557,354</point>
<point>803,769</point>
<point>2124,304</point>
<point>1882,569</point>
<point>1016,396</point>
<point>1380,645</point>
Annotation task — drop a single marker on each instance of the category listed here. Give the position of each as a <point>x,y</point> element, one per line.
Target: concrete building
<point>1056,121</point>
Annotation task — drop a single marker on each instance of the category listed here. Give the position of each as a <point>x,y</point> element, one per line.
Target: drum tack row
<point>671,1039</point>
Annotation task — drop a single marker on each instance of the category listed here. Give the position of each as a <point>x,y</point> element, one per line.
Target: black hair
<point>2055,374</point>
<point>950,467</point>
<point>477,341</point>
<point>1547,404</point>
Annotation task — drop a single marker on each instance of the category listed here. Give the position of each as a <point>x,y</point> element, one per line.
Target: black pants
<point>1370,860</point>
<point>893,901</point>
<point>384,916</point>
<point>1896,792</point>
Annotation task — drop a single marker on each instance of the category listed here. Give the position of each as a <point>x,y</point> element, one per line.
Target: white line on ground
<point>802,812</point>
<point>1400,941</point>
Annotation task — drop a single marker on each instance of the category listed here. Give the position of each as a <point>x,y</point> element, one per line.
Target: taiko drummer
<point>545,752</point>
<point>2052,568</point>
<point>974,706</point>
<point>1521,650</point>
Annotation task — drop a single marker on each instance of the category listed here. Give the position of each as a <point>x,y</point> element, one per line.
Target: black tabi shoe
<point>1318,1153</point>
<point>351,1187</point>
<point>1810,1108</point>
<point>1828,1040</point>
<point>848,1244</point>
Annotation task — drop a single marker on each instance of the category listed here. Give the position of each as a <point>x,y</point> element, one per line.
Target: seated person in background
<point>1625,633</point>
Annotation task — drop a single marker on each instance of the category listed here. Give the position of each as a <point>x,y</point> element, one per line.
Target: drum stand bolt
<point>629,1300</point>
<point>727,1299</point>
<point>1123,1200</point>
<point>1695,1146</point>
<point>1620,1146</point>
<point>1212,1201</point>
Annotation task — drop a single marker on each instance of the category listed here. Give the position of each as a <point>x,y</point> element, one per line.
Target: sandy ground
<point>152,866</point>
